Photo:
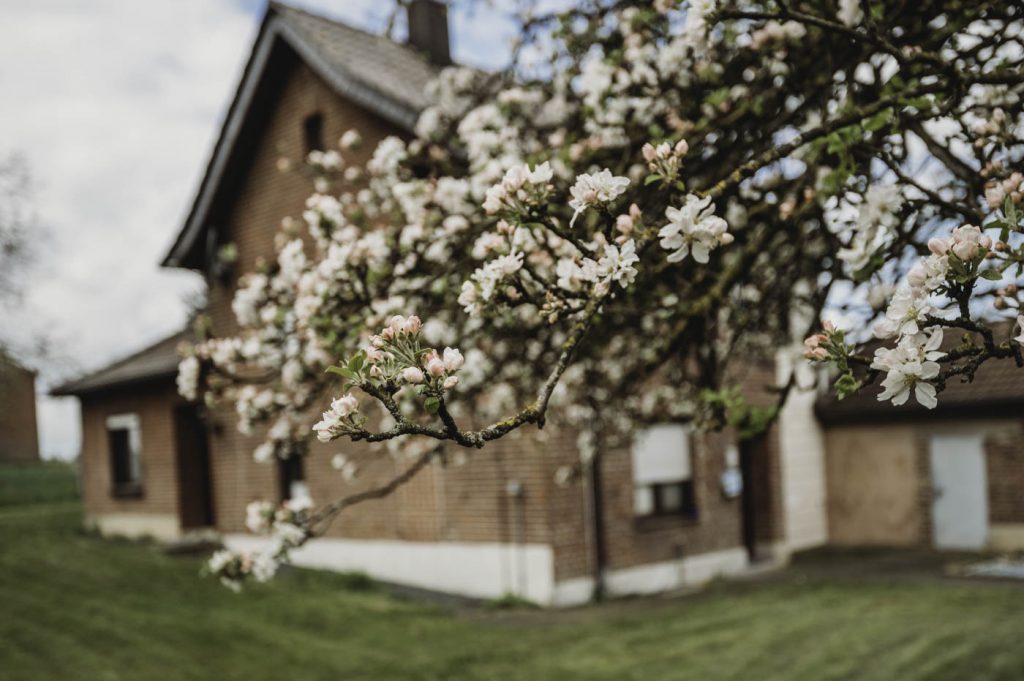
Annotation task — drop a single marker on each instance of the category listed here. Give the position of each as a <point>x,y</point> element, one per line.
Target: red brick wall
<point>155,408</point>
<point>634,541</point>
<point>18,437</point>
<point>1006,477</point>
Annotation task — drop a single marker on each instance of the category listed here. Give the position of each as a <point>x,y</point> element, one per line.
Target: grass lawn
<point>76,607</point>
<point>34,483</point>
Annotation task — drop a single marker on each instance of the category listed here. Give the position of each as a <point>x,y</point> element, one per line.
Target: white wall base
<point>477,569</point>
<point>570,592</point>
<point>488,570</point>
<point>163,527</point>
<point>675,574</point>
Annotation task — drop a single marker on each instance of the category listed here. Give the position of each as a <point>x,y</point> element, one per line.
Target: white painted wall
<point>802,458</point>
<point>482,570</point>
<point>163,527</point>
<point>478,570</point>
<point>675,574</point>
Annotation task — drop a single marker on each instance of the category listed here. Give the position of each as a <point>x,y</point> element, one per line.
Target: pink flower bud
<point>816,355</point>
<point>649,153</point>
<point>938,246</point>
<point>412,325</point>
<point>413,375</point>
<point>725,238</point>
<point>986,241</point>
<point>451,382</point>
<point>828,325</point>
<point>681,148</point>
<point>815,340</point>
<point>435,367</point>
<point>965,250</point>
<point>453,359</point>
<point>395,323</point>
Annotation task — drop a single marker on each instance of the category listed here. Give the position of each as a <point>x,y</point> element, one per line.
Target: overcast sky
<point>116,105</point>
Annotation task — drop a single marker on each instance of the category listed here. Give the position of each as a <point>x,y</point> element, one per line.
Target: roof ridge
<point>277,4</point>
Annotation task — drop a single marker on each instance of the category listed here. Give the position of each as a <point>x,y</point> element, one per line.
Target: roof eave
<point>71,389</point>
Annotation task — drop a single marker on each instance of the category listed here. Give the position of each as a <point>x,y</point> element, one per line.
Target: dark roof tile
<point>158,361</point>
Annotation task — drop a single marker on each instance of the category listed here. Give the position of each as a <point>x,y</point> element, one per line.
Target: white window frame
<point>661,455</point>
<point>133,424</point>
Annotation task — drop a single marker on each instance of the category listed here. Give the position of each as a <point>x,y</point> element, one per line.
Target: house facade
<point>143,459</point>
<point>951,478</point>
<point>19,439</point>
<point>675,508</point>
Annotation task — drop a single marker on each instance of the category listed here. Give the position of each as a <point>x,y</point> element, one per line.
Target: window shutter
<point>661,453</point>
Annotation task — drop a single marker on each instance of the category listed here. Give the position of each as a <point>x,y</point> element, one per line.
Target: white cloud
<point>116,104</point>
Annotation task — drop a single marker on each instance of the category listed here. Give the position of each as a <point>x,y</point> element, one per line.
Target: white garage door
<point>960,507</point>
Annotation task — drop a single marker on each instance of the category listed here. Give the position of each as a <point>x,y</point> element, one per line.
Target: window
<point>663,471</point>
<point>292,474</point>
<point>124,438</point>
<point>313,132</point>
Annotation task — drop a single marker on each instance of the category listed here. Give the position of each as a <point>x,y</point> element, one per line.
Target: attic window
<point>313,132</point>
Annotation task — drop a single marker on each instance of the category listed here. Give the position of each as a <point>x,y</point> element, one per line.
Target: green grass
<point>73,606</point>
<point>36,483</point>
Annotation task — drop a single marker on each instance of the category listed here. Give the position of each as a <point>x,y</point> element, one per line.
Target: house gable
<point>372,72</point>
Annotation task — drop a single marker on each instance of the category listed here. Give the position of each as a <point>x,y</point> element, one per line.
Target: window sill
<point>654,523</point>
<point>127,491</point>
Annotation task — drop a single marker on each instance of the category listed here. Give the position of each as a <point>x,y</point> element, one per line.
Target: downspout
<point>597,524</point>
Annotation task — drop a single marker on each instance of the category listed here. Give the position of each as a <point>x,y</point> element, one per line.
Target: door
<point>195,491</point>
<point>960,499</point>
<point>758,498</point>
<point>747,500</point>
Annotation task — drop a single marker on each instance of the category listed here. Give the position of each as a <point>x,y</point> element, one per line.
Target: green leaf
<point>356,363</point>
<point>341,371</point>
<point>652,178</point>
<point>991,275</point>
<point>878,121</point>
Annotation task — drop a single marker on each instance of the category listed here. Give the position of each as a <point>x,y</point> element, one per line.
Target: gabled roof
<point>369,70</point>
<point>997,389</point>
<point>156,362</point>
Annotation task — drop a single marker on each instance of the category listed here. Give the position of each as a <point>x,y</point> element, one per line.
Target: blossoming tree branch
<point>601,234</point>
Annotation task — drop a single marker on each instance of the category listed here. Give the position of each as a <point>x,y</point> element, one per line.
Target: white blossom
<point>187,379</point>
<point>909,366</point>
<point>850,12</point>
<point>695,228</point>
<point>596,189</point>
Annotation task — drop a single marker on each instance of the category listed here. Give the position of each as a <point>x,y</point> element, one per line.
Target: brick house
<point>663,513</point>
<point>19,439</point>
<point>949,478</point>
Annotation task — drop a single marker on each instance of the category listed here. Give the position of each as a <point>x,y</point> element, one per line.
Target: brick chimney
<point>428,30</point>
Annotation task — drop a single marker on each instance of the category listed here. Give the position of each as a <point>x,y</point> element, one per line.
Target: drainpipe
<point>517,491</point>
<point>595,505</point>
